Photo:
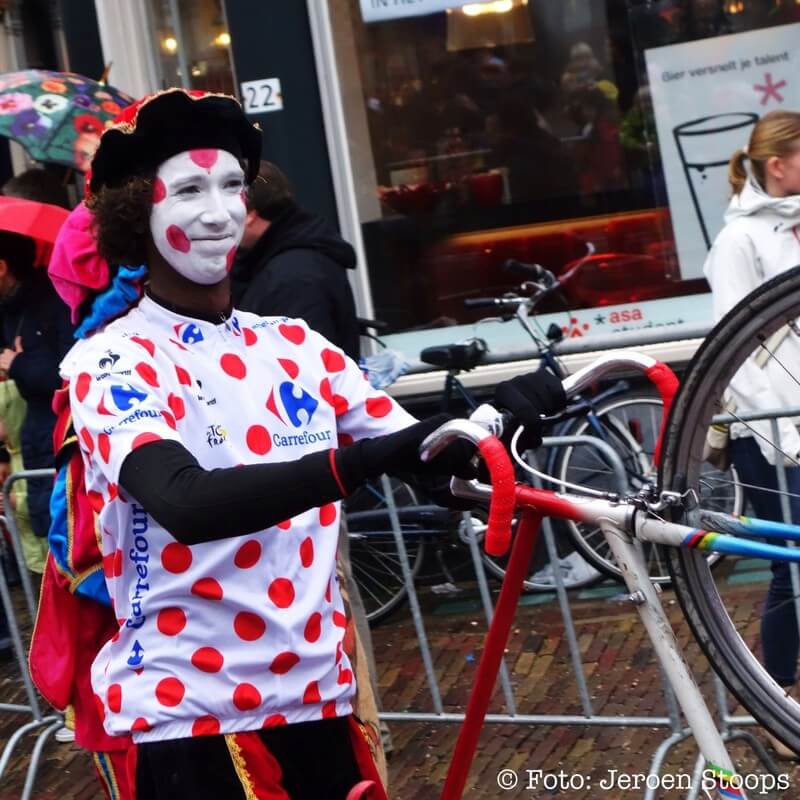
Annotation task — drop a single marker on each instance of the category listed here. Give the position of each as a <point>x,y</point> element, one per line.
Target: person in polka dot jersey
<point>217,445</point>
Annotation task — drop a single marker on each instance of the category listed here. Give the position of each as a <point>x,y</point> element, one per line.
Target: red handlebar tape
<point>665,380</point>
<point>501,508</point>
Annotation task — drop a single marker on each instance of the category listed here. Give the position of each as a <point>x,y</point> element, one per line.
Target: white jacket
<point>761,239</point>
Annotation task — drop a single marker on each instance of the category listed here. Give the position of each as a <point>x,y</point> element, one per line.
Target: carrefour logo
<point>297,404</point>
<point>188,333</point>
<point>125,397</point>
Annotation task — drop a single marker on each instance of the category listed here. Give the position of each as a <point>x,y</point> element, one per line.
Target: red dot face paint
<point>178,240</point>
<point>204,158</point>
<point>159,191</point>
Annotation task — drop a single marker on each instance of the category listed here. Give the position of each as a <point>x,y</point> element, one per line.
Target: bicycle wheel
<point>373,550</point>
<point>630,424</point>
<point>724,609</point>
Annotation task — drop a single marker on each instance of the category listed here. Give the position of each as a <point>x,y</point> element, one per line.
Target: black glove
<point>526,397</point>
<point>399,453</point>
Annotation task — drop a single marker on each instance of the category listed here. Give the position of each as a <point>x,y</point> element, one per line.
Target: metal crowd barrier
<point>730,726</point>
<point>31,711</point>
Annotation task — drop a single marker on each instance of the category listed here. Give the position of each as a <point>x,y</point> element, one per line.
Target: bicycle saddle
<point>461,355</point>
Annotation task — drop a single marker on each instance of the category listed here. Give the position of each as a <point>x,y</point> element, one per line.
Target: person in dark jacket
<point>35,334</point>
<point>292,263</point>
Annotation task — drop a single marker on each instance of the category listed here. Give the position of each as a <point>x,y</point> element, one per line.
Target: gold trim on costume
<point>240,766</point>
<point>105,769</point>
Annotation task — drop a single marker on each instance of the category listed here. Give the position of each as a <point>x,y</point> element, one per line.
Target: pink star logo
<point>770,89</point>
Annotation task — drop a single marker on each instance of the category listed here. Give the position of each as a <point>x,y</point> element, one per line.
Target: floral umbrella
<point>57,116</point>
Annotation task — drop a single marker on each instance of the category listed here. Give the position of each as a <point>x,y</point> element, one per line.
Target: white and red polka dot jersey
<point>238,633</point>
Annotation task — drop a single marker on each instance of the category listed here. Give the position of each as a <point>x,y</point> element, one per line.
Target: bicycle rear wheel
<point>630,423</point>
<point>724,608</point>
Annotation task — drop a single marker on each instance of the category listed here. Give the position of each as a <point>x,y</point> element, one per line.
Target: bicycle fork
<point>493,649</point>
<point>719,780</point>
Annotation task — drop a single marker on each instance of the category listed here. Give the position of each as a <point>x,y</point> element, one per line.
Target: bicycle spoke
<point>365,586</point>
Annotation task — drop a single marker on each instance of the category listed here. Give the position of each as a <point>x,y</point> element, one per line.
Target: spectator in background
<point>35,334</point>
<point>31,312</point>
<point>43,186</point>
<point>582,70</point>
<point>39,185</point>
<point>292,263</point>
<point>599,154</point>
<point>538,166</point>
<point>759,241</point>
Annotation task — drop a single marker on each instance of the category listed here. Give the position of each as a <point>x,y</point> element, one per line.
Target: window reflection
<point>192,44</point>
<point>523,134</point>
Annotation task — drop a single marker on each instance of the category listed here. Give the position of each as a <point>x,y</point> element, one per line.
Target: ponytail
<point>737,174</point>
<point>775,134</point>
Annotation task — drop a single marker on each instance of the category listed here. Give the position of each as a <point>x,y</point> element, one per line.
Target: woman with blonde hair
<point>761,239</point>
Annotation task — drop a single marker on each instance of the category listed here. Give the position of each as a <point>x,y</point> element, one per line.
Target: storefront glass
<point>192,44</point>
<point>527,129</point>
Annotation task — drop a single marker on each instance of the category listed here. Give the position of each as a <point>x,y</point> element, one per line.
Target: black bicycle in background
<point>625,415</point>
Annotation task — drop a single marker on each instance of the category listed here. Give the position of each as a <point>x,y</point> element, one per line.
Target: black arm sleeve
<point>197,505</point>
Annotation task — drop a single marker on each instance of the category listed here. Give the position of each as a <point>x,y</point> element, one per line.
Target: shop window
<point>192,44</point>
<point>517,129</point>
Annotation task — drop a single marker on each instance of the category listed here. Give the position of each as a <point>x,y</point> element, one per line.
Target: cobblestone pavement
<point>576,760</point>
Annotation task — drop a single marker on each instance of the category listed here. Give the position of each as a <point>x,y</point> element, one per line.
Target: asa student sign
<point>378,10</point>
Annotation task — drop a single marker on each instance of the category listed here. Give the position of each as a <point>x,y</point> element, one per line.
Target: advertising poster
<point>707,95</point>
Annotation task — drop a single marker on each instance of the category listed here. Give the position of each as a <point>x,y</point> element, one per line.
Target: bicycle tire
<point>631,424</point>
<point>754,319</point>
<point>374,557</point>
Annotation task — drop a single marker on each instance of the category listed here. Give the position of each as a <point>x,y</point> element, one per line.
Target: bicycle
<point>627,419</point>
<point>625,520</point>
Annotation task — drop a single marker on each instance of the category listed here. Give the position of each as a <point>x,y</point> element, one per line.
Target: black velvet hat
<point>161,125</point>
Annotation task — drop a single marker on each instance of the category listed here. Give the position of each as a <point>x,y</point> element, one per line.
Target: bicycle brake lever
<point>470,490</point>
<point>570,412</point>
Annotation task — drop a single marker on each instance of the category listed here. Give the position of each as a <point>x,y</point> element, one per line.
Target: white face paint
<point>198,213</point>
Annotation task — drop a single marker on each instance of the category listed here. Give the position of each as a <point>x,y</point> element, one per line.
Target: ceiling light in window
<point>170,44</point>
<point>223,39</point>
<point>494,7</point>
